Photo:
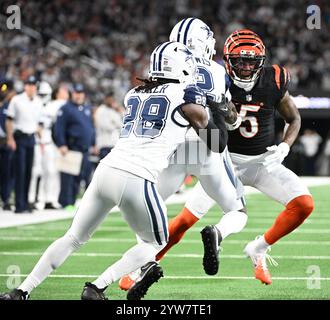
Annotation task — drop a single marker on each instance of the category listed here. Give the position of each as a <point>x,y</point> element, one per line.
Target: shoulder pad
<point>194,94</point>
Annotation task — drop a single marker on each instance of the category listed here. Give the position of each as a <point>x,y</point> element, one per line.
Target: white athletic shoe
<point>259,259</point>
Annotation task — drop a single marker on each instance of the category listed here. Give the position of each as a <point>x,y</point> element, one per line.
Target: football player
<point>257,92</point>
<point>127,176</point>
<point>214,171</point>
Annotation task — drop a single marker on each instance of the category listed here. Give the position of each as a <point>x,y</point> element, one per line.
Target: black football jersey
<point>257,110</point>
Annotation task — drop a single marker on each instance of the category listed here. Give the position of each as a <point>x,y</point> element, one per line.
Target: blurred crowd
<point>75,60</point>
<point>105,43</point>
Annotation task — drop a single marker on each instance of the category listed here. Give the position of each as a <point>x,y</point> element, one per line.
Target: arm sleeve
<point>282,79</point>
<point>215,136</point>
<point>195,95</point>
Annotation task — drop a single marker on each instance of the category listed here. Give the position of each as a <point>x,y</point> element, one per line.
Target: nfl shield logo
<point>248,97</point>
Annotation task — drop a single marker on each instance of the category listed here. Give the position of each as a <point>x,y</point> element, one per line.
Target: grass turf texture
<point>299,256</point>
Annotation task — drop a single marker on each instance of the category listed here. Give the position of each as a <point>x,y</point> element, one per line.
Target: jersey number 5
<point>145,119</point>
<point>253,128</point>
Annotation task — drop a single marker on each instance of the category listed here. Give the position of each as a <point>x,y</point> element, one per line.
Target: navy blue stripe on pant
<point>160,211</point>
<point>152,212</point>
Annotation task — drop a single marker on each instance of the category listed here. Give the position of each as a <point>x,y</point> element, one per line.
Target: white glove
<point>235,125</point>
<point>276,156</point>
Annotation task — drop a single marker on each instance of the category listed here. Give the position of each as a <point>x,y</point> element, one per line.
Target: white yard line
<point>186,255</point>
<point>9,219</point>
<point>193,229</point>
<point>133,240</point>
<point>78,276</point>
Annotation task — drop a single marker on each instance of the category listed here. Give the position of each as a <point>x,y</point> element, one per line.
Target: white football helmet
<point>173,60</point>
<point>45,92</point>
<point>196,35</point>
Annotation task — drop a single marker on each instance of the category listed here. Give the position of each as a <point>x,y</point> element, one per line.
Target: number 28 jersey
<point>153,127</point>
<point>257,110</point>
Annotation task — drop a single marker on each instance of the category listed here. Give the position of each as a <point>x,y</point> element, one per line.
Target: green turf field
<point>301,256</point>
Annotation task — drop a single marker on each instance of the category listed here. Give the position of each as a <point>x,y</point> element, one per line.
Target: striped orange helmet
<point>244,56</point>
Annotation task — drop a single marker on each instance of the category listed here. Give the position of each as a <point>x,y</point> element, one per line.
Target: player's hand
<point>220,106</point>
<point>276,155</point>
<point>235,125</point>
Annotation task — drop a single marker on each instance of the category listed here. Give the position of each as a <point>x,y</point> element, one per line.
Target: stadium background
<point>105,45</point>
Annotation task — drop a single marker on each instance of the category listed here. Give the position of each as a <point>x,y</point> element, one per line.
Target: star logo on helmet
<point>187,52</point>
<point>208,30</point>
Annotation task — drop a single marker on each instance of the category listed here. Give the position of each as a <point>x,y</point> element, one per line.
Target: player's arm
<point>289,112</point>
<point>214,136</point>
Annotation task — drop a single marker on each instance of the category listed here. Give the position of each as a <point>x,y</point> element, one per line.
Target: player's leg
<point>287,188</point>
<point>227,190</point>
<point>169,181</point>
<point>93,208</point>
<point>145,212</point>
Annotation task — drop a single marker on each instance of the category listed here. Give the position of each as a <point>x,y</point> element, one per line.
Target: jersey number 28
<point>145,119</point>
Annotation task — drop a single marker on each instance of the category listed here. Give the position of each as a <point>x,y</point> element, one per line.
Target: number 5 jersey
<point>257,109</point>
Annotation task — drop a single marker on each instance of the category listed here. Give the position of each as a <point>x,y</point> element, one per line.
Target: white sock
<point>52,258</point>
<point>261,244</point>
<point>133,259</point>
<point>231,222</point>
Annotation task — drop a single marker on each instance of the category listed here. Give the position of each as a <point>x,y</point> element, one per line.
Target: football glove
<point>218,106</point>
<point>276,155</point>
<point>235,125</point>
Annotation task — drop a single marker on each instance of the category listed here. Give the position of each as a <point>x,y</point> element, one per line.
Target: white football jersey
<point>152,129</point>
<point>212,80</point>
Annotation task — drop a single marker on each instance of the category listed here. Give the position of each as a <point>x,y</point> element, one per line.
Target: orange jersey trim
<point>277,75</point>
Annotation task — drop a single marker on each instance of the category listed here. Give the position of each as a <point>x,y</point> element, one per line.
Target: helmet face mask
<point>196,35</point>
<point>173,60</point>
<point>246,68</point>
<point>244,56</point>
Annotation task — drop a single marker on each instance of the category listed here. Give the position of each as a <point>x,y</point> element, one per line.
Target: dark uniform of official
<point>6,160</point>
<point>74,128</point>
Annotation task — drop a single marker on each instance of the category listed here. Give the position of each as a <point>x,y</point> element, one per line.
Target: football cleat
<point>92,292</point>
<point>211,238</point>
<point>127,281</point>
<point>259,261</point>
<point>150,273</point>
<point>16,294</point>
